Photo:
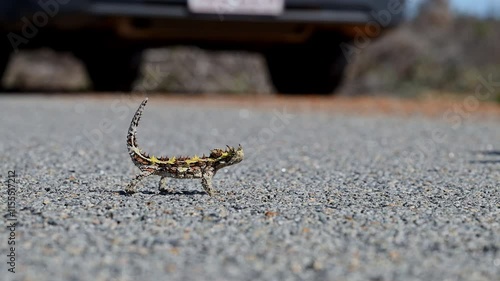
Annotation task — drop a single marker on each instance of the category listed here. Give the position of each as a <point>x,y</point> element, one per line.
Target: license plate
<point>237,7</point>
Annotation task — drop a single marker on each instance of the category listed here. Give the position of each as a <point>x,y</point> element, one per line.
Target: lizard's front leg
<point>131,186</point>
<point>162,185</point>
<point>206,182</point>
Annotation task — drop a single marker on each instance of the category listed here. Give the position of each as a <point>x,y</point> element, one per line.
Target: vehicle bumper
<point>322,12</point>
<point>170,21</point>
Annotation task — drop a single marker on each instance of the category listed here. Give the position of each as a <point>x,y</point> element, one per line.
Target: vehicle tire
<point>315,67</point>
<point>4,60</point>
<point>111,69</point>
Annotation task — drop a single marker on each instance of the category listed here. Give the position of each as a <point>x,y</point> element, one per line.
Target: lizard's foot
<point>166,190</point>
<point>162,186</point>
<point>210,192</point>
<point>130,189</point>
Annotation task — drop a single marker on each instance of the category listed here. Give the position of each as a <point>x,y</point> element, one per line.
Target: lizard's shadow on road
<point>146,192</point>
<point>487,153</point>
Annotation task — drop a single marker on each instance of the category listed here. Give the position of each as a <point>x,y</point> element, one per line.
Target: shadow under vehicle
<point>305,42</point>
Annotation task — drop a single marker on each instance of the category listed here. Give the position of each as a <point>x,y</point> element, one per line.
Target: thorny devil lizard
<point>195,167</point>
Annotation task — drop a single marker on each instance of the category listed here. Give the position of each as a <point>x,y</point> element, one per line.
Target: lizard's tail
<point>133,147</point>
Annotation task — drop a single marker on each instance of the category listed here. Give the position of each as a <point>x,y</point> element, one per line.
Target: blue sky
<point>472,7</point>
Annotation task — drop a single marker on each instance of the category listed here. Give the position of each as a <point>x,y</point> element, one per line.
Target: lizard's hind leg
<point>131,187</point>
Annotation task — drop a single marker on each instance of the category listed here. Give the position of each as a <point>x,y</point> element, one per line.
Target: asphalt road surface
<point>322,194</point>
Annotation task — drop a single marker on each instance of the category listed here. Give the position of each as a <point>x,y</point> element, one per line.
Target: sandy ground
<point>431,105</point>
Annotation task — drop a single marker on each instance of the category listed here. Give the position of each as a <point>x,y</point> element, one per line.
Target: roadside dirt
<point>464,106</point>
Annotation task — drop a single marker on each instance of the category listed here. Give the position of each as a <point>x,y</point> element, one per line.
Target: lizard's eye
<point>215,153</point>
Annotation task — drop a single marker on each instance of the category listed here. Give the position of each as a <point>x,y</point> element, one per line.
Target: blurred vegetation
<point>435,51</point>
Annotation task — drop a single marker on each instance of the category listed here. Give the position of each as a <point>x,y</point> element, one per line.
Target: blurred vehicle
<point>300,39</point>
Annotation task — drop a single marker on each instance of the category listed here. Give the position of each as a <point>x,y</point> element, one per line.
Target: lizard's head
<point>227,157</point>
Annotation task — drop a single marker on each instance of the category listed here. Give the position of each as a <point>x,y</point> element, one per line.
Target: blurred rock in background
<point>176,69</point>
<point>192,70</point>
<point>45,70</point>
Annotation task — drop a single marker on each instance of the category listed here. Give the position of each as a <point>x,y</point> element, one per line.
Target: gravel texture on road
<point>320,196</point>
